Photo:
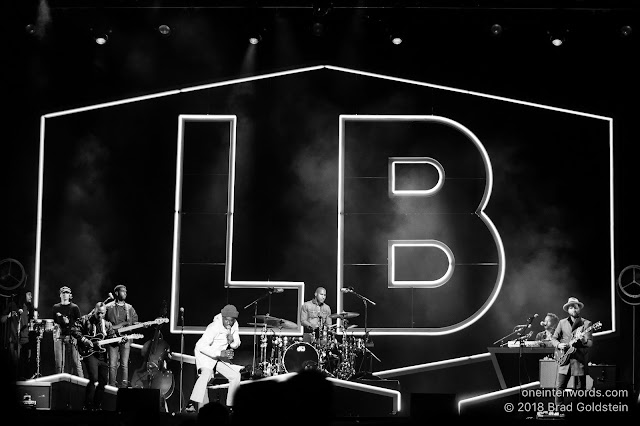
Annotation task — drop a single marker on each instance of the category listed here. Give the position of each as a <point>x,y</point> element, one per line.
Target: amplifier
<point>549,371</point>
<point>36,395</point>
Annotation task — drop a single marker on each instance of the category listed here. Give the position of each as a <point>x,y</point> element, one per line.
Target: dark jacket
<point>579,358</point>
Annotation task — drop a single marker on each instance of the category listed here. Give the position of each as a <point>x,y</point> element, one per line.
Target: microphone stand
<point>517,331</point>
<point>255,328</point>
<point>181,358</point>
<point>366,301</point>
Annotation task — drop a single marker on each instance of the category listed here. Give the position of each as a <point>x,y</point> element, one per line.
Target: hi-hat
<point>344,315</point>
<point>276,322</point>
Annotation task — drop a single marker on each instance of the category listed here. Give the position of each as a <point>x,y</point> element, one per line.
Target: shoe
<point>190,408</point>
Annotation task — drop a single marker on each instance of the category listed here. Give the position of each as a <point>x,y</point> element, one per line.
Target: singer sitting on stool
<point>214,352</point>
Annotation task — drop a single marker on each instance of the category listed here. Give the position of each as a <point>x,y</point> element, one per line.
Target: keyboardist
<point>550,324</point>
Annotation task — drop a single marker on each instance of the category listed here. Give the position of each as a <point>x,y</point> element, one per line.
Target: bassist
<point>569,334</point>
<point>96,365</point>
<point>120,314</point>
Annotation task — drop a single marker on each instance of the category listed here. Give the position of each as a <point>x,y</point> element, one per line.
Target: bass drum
<point>300,356</point>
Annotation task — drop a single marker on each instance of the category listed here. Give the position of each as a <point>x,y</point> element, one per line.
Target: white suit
<point>207,353</point>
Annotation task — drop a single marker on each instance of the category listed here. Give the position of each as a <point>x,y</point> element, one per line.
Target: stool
<point>217,394</point>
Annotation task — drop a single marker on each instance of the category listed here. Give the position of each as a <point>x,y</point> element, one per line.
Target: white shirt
<point>214,341</point>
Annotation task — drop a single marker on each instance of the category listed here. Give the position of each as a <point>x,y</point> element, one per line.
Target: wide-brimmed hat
<point>572,301</point>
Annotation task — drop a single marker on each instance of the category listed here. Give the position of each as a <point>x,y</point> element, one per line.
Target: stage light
<point>396,40</point>
<point>496,29</point>
<point>321,10</point>
<point>625,31</point>
<point>101,37</point>
<point>165,30</point>
<point>557,37</point>
<point>255,39</point>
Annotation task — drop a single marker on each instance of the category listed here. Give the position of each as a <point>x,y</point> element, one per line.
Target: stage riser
<point>59,396</point>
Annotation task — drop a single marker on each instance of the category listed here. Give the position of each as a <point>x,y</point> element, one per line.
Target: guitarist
<point>567,329</point>
<point>95,365</point>
<point>214,352</point>
<point>120,314</point>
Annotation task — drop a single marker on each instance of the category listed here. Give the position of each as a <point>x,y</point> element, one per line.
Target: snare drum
<point>300,356</point>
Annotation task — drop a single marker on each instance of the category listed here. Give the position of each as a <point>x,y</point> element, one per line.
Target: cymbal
<point>263,317</point>
<point>344,315</point>
<point>276,322</point>
<point>259,324</point>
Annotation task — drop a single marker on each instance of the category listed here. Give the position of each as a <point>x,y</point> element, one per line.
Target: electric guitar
<point>97,342</point>
<point>562,356</point>
<point>121,328</point>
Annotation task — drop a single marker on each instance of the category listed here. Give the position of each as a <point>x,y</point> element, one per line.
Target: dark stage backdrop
<point>110,181</point>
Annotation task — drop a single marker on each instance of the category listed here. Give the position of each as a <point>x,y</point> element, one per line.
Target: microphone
<point>542,323</point>
<point>347,290</point>
<point>531,318</point>
<point>181,310</point>
<point>275,290</point>
<point>20,311</point>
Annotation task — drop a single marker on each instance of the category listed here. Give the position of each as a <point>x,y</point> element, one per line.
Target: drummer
<point>314,315</point>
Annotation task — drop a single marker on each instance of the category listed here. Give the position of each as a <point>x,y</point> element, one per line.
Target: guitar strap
<point>577,323</point>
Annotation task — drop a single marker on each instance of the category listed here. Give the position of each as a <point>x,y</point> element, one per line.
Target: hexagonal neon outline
<point>43,119</point>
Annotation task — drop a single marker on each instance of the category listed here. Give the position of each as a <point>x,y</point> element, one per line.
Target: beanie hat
<point>229,311</point>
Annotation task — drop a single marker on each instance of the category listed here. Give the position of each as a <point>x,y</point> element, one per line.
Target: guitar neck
<point>107,341</point>
<point>140,324</point>
<point>134,326</point>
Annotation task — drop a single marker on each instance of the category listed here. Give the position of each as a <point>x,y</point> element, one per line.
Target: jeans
<point>66,354</point>
<point>561,385</point>
<point>119,352</point>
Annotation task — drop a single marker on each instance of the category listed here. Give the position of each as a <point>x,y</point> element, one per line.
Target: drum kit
<point>39,327</point>
<point>332,349</point>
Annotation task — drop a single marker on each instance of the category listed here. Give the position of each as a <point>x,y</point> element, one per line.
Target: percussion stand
<point>38,339</point>
<point>255,328</point>
<point>367,344</point>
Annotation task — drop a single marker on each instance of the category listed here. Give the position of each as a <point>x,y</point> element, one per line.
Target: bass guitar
<point>124,328</point>
<point>562,356</point>
<point>98,341</point>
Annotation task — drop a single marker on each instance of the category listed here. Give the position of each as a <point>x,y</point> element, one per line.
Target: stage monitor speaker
<point>34,395</point>
<point>136,401</point>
